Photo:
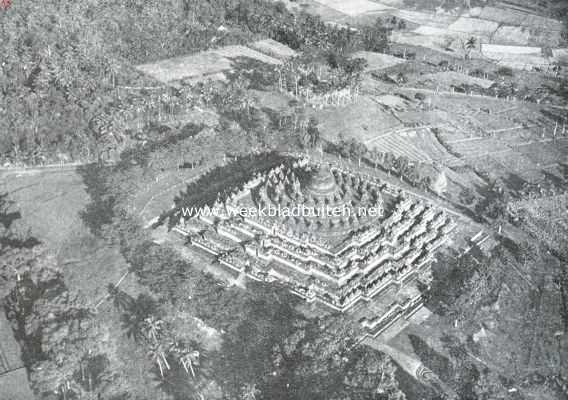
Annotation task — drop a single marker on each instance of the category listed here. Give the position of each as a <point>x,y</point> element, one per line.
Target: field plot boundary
<point>423,18</point>
<point>424,147</point>
<point>354,8</point>
<point>237,51</point>
<point>455,78</point>
<point>378,61</point>
<point>198,66</point>
<point>519,18</point>
<point>474,26</point>
<point>273,48</point>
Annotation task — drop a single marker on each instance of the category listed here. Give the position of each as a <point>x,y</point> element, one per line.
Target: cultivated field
<point>447,79</point>
<point>363,120</point>
<point>354,7</point>
<point>519,18</point>
<point>273,48</point>
<point>418,144</point>
<point>503,138</point>
<point>209,64</point>
<point>474,26</point>
<point>512,35</point>
<point>195,66</point>
<point>378,61</point>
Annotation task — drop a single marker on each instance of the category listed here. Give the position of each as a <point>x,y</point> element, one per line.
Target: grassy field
<point>49,203</point>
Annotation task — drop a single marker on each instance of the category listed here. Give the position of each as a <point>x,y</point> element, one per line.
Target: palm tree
<point>67,387</point>
<point>216,222</point>
<point>470,45</point>
<point>189,360</point>
<point>133,325</point>
<point>121,300</point>
<point>152,327</point>
<point>249,391</point>
<point>186,355</point>
<point>313,133</point>
<point>157,355</point>
<point>257,238</point>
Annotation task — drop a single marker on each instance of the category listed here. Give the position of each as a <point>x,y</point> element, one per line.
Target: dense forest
<point>63,60</point>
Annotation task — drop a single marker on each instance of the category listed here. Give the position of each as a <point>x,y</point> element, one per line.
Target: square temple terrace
<point>339,259</point>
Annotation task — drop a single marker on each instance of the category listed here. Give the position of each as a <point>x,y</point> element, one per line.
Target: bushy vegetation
<point>63,61</point>
<point>412,172</point>
<point>223,181</point>
<point>500,304</point>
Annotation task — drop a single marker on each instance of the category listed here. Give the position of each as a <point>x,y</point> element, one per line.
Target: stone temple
<point>331,235</point>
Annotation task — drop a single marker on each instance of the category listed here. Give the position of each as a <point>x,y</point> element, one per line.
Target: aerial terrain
<point>298,199</point>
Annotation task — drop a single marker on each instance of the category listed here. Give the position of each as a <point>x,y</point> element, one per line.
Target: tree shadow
<point>413,389</point>
<point>260,75</point>
<point>99,211</point>
<point>564,170</point>
<point>514,182</point>
<point>8,237</point>
<point>437,363</point>
<point>221,181</point>
<point>7,217</point>
<point>554,179</point>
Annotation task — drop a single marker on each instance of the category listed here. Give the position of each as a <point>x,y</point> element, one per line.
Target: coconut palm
<point>470,45</point>
<point>186,355</point>
<point>133,325</point>
<point>121,300</point>
<point>257,238</point>
<point>66,387</point>
<point>152,327</point>
<point>158,356</point>
<point>189,360</point>
<point>249,391</point>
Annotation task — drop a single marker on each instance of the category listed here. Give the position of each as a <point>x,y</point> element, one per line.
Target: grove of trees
<point>62,62</point>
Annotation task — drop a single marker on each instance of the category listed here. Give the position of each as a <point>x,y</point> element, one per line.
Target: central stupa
<point>334,204</point>
<point>322,184</point>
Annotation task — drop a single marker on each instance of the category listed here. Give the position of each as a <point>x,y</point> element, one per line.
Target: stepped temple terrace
<point>341,259</point>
